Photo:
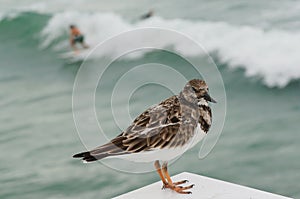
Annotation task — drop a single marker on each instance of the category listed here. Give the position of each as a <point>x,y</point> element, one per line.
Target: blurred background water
<point>255,45</point>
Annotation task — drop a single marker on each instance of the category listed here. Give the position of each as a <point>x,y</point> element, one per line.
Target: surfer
<point>147,15</point>
<point>76,37</point>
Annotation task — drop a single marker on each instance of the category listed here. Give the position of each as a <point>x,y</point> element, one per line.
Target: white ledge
<point>205,188</point>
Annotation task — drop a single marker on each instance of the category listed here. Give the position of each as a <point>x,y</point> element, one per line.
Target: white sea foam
<point>272,55</point>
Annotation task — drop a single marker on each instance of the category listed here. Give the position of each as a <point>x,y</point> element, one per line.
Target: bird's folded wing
<point>155,128</point>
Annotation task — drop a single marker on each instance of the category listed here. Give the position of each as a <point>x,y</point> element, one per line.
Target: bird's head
<point>197,89</point>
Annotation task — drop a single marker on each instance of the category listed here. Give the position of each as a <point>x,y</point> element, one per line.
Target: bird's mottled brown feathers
<point>155,127</point>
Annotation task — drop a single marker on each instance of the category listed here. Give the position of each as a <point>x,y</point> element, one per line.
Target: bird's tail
<point>87,157</point>
<point>112,148</point>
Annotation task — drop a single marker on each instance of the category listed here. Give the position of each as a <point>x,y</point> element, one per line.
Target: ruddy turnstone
<point>162,132</point>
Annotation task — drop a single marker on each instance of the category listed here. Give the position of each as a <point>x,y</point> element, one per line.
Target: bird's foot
<point>180,182</point>
<point>166,185</point>
<point>178,189</point>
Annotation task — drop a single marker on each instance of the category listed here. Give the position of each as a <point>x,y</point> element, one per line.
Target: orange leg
<point>159,171</point>
<point>167,181</point>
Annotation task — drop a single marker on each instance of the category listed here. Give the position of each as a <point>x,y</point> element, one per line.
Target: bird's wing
<point>155,128</point>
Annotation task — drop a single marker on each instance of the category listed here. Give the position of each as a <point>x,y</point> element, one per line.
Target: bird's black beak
<point>209,98</point>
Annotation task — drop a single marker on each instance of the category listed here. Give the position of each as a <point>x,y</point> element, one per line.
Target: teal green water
<point>259,146</point>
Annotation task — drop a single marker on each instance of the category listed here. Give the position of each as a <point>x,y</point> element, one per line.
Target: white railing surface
<point>205,188</point>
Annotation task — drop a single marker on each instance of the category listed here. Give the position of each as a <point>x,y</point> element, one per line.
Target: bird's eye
<point>194,90</point>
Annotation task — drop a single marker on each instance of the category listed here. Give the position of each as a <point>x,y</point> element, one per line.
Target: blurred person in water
<point>147,15</point>
<point>76,37</point>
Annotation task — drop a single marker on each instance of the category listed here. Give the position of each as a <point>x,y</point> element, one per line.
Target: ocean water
<point>254,44</point>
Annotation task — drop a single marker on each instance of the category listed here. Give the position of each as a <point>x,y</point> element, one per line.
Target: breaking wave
<point>272,55</point>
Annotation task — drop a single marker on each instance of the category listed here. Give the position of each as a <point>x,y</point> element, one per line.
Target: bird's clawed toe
<point>179,189</point>
<point>180,182</point>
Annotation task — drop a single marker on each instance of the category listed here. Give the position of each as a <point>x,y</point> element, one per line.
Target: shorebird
<point>162,133</point>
